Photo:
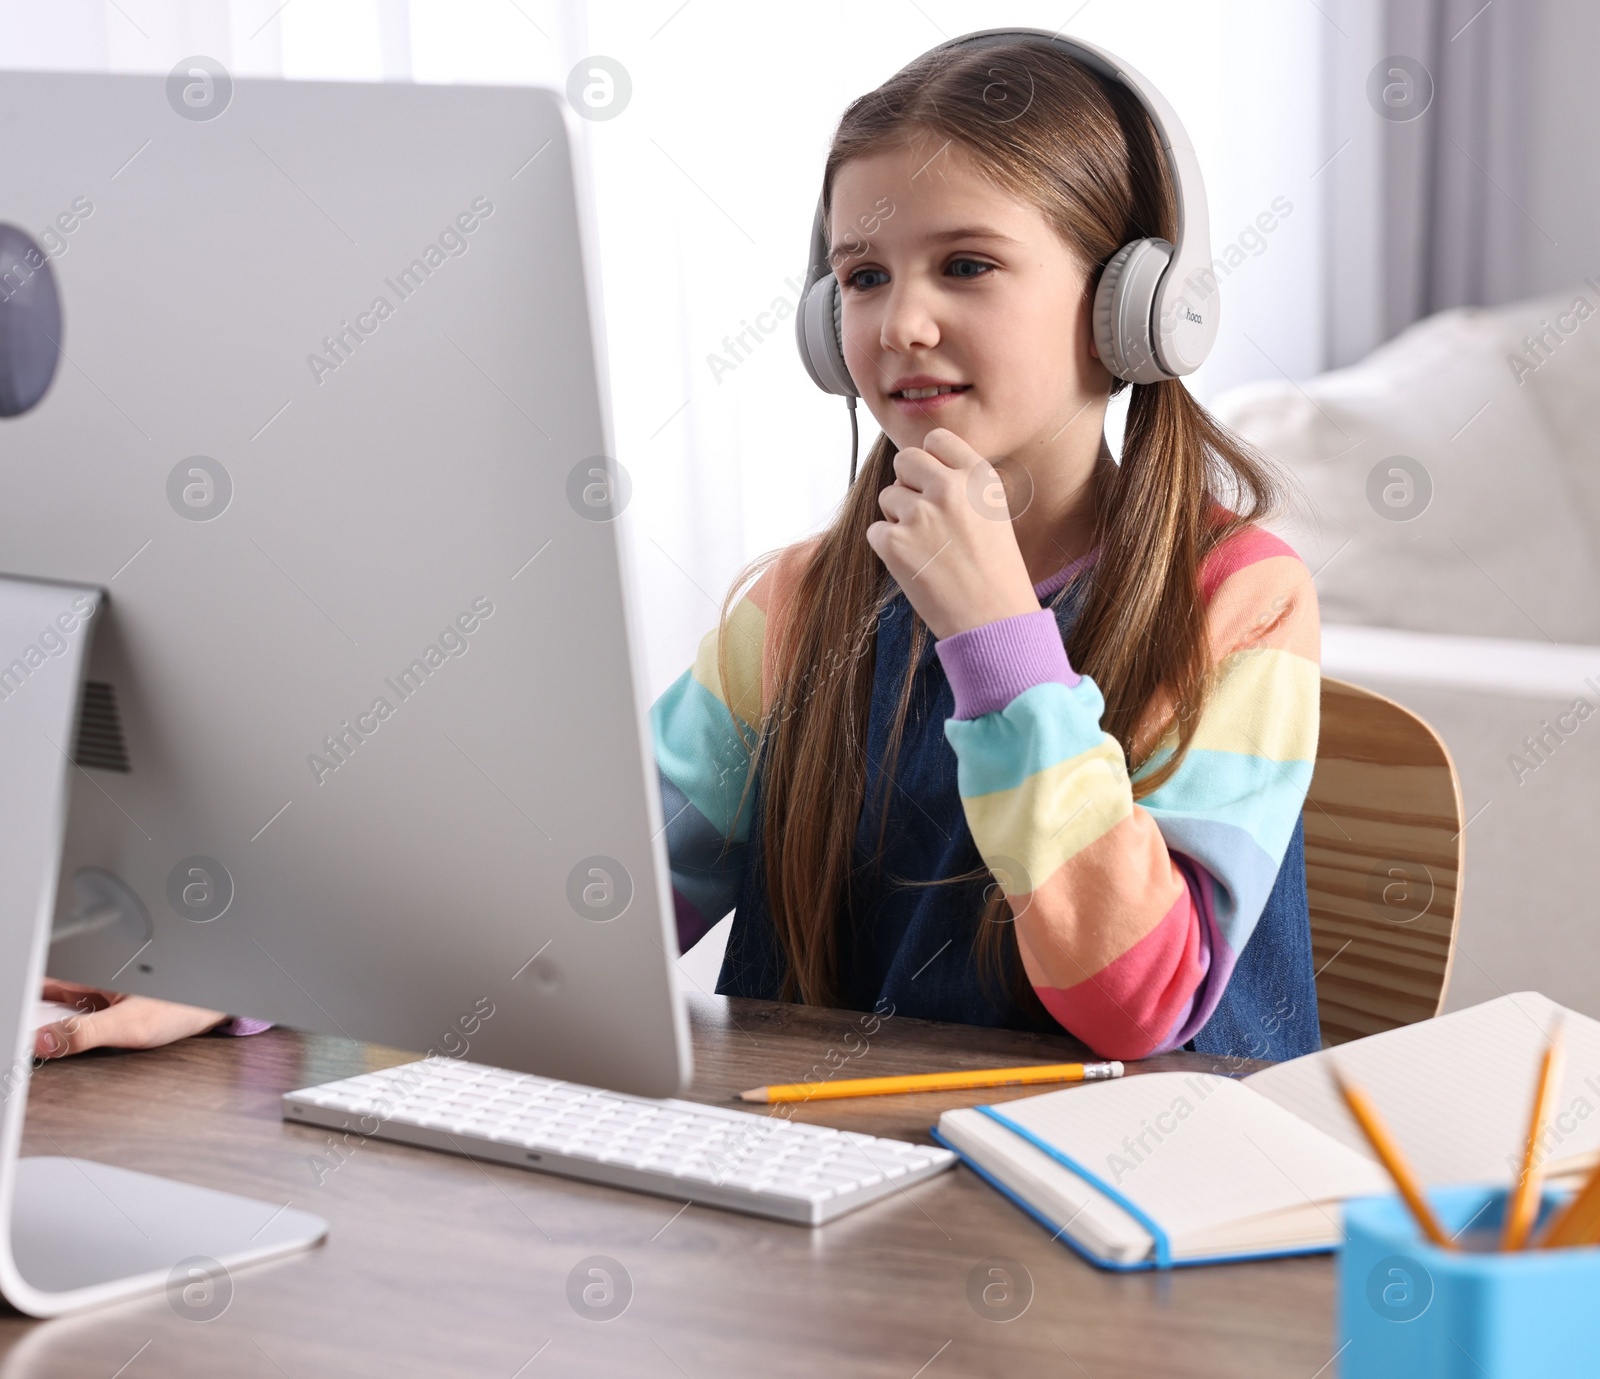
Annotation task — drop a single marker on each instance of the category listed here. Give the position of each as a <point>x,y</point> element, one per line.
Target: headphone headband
<point>1156,309</point>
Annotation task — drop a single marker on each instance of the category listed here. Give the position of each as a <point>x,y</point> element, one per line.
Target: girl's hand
<point>111,1019</point>
<point>948,540</point>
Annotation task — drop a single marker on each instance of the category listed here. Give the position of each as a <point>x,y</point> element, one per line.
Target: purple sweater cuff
<point>242,1024</point>
<point>989,666</point>
<point>692,925</point>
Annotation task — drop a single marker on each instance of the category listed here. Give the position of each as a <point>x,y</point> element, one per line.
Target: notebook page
<point>1195,1151</point>
<point>1456,1091</point>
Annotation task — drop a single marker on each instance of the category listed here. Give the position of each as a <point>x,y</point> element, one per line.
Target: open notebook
<point>1162,1169</point>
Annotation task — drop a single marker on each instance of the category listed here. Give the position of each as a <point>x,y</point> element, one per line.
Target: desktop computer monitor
<point>321,506</point>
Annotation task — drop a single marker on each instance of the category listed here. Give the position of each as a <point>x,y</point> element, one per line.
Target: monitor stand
<point>76,1234</point>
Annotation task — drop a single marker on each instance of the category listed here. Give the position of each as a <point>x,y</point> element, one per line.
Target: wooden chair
<point>1384,853</point>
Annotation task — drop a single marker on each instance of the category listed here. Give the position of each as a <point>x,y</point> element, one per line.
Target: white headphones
<point>1155,310</point>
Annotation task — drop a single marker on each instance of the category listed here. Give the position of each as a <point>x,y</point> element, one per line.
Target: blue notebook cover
<point>1162,1254</point>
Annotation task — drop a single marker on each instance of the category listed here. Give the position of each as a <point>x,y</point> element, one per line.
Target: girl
<point>1044,771</point>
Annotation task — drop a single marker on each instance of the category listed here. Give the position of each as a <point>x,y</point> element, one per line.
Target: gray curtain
<point>1455,231</point>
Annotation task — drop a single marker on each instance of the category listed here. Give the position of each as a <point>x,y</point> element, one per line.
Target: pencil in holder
<point>1410,1310</point>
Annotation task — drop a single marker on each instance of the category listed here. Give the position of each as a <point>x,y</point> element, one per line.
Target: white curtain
<point>705,185</point>
<point>1465,138</point>
<point>1455,179</point>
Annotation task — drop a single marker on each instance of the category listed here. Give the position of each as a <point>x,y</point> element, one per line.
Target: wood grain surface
<point>1385,853</point>
<point>440,1265</point>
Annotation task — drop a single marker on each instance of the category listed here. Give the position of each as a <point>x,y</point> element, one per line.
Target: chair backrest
<point>1385,846</point>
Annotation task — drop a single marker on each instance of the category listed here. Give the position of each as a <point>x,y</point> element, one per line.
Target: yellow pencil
<point>1522,1206</point>
<point>1366,1116</point>
<point>935,1082</point>
<point>1578,1222</point>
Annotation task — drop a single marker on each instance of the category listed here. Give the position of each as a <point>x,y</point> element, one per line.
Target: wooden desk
<point>438,1265</point>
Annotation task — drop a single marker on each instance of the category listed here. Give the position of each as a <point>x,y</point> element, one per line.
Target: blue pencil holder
<point>1409,1310</point>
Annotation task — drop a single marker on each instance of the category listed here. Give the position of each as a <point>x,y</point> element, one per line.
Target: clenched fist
<point>947,537</point>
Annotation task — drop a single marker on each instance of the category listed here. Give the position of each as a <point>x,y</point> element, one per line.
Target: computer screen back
<point>366,730</point>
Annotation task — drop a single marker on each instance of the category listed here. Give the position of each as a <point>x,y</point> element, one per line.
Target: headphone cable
<point>855,438</point>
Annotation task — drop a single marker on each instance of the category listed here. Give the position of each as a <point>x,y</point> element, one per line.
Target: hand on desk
<point>110,1019</point>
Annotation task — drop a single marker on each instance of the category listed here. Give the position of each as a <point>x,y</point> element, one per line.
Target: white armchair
<point>1449,507</point>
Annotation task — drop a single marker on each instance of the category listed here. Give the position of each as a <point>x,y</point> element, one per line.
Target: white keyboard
<point>764,1165</point>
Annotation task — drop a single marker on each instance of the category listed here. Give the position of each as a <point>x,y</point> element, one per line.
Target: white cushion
<point>1565,387</point>
<point>1509,544</point>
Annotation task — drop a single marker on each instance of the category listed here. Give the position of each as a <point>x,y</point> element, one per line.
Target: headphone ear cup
<point>821,338</point>
<point>1124,306</point>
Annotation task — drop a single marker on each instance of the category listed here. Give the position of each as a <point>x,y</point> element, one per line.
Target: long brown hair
<point>1083,152</point>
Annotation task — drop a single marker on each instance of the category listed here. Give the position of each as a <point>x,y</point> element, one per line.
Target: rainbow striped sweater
<point>1130,917</point>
